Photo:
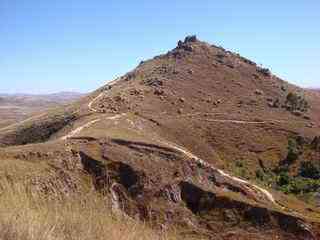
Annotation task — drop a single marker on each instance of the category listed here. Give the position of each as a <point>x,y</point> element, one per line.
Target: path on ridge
<point>89,124</point>
<point>91,108</point>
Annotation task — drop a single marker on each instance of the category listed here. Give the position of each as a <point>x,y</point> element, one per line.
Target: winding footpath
<point>266,193</point>
<point>245,121</point>
<point>79,129</point>
<point>262,190</point>
<point>91,108</point>
<point>93,101</point>
<point>89,124</point>
<point>247,184</point>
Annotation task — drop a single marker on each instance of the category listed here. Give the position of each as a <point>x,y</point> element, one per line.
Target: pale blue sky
<point>62,45</point>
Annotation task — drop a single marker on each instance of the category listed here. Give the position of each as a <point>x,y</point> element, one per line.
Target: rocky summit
<point>200,140</point>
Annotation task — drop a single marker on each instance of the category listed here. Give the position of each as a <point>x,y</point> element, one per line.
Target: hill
<point>199,139</point>
<point>18,107</point>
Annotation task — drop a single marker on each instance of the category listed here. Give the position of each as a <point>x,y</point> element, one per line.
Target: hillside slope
<point>199,138</point>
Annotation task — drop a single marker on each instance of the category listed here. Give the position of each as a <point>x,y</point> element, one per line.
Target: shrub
<point>283,179</point>
<point>293,151</point>
<point>264,71</point>
<point>309,170</point>
<point>295,102</point>
<point>260,174</point>
<point>292,155</point>
<point>303,186</point>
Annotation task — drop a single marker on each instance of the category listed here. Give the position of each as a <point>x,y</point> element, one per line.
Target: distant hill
<point>314,89</point>
<point>38,100</point>
<point>17,107</point>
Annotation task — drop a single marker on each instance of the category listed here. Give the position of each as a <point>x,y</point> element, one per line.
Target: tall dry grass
<point>28,217</point>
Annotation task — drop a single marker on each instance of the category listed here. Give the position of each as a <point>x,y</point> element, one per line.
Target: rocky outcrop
<point>137,190</point>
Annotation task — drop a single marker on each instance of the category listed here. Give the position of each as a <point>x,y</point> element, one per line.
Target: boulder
<point>258,92</point>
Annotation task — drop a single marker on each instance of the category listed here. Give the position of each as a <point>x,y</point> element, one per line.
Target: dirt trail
<point>89,124</point>
<point>235,121</point>
<point>262,190</point>
<point>93,101</point>
<point>246,121</point>
<point>79,129</point>
<point>91,108</point>
<point>266,193</point>
<point>223,120</point>
<point>250,185</point>
<point>100,95</point>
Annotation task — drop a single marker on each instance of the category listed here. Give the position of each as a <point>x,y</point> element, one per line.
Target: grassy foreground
<point>24,216</point>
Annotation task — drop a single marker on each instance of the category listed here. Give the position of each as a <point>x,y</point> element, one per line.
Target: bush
<point>292,155</point>
<point>283,179</point>
<point>303,186</point>
<point>264,71</point>
<point>260,174</point>
<point>309,170</point>
<point>296,102</point>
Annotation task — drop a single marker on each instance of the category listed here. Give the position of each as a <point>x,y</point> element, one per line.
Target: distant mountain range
<point>314,89</point>
<point>39,100</point>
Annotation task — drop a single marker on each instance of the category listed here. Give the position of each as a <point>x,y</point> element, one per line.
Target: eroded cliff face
<point>179,142</point>
<point>162,185</point>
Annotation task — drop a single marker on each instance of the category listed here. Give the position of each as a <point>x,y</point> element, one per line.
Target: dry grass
<point>28,217</point>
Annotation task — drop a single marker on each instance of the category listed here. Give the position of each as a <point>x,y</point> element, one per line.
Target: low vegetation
<point>29,217</point>
<point>304,182</point>
<point>240,169</point>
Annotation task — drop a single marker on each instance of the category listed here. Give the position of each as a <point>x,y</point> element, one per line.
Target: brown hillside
<point>200,139</point>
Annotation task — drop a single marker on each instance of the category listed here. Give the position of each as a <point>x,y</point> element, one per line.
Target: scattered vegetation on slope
<point>294,175</point>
